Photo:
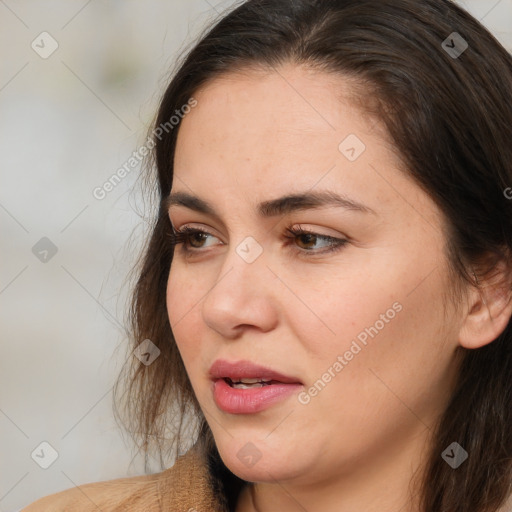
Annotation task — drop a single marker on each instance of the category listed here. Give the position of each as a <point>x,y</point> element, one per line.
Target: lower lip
<point>247,401</point>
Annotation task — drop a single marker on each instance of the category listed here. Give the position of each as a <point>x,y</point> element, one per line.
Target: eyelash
<point>183,237</point>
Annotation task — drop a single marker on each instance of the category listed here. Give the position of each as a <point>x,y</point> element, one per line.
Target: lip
<point>249,401</point>
<point>222,369</point>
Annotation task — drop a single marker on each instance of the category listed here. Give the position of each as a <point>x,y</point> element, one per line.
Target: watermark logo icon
<point>454,455</point>
<point>249,454</point>
<point>454,45</point>
<point>44,455</point>
<point>352,147</point>
<point>249,249</point>
<point>146,352</point>
<point>44,250</point>
<point>44,45</point>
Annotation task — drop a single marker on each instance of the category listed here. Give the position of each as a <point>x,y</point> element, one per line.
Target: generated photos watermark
<point>100,192</point>
<point>357,345</point>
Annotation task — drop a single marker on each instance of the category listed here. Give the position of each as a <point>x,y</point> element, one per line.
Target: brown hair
<point>450,119</point>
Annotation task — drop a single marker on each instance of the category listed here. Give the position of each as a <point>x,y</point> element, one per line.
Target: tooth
<point>241,385</point>
<point>252,381</point>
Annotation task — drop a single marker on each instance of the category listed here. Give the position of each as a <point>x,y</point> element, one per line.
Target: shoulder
<point>178,488</point>
<point>109,496</point>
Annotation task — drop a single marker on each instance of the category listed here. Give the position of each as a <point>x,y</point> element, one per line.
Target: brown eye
<point>198,237</point>
<point>309,239</point>
<point>191,239</point>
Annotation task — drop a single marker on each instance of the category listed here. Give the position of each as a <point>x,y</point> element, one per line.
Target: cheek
<point>391,354</point>
<point>183,306</point>
<point>394,296</point>
<point>386,314</point>
<point>184,312</point>
<point>349,305</point>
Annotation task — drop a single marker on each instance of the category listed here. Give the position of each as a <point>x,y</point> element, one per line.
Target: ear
<point>488,310</point>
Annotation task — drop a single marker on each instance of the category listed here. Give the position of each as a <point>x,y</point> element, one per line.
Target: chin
<point>257,461</point>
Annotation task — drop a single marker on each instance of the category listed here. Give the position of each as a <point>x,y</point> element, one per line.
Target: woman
<point>328,278</point>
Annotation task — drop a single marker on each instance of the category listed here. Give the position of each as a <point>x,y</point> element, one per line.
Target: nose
<point>242,297</point>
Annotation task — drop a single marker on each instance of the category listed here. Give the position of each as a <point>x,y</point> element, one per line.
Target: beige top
<point>185,487</point>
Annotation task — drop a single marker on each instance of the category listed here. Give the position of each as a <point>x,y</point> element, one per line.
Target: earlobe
<point>489,310</point>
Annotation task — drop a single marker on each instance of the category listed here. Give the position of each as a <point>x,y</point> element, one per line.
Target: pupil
<point>309,238</point>
<point>196,235</point>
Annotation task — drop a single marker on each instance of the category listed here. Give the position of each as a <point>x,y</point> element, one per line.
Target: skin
<point>256,136</point>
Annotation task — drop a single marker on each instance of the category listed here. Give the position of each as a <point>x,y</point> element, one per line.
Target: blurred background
<point>79,85</point>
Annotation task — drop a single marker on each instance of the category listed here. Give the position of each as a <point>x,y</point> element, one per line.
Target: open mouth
<point>248,395</point>
<point>250,383</point>
<point>244,387</point>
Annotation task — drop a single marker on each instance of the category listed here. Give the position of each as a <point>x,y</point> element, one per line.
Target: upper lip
<point>234,370</point>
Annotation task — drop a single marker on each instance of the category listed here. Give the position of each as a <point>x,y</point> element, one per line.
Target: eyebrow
<point>274,207</point>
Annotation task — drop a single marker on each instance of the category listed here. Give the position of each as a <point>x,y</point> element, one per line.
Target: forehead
<point>290,119</point>
<point>290,108</point>
<point>259,135</point>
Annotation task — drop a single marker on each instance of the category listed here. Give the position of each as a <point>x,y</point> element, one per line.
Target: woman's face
<point>359,330</point>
